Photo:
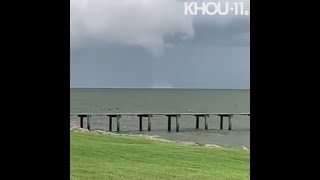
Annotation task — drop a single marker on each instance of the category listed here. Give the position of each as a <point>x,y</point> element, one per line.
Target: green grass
<point>95,156</point>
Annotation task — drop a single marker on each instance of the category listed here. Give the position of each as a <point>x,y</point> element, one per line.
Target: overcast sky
<point>153,44</point>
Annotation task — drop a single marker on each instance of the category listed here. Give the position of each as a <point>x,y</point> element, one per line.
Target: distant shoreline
<point>86,88</point>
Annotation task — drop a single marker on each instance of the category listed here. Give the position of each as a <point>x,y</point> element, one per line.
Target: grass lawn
<point>107,157</point>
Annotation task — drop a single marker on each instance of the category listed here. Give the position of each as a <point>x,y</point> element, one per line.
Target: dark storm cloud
<point>215,54</point>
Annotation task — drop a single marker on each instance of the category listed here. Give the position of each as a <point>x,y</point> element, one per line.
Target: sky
<point>153,44</point>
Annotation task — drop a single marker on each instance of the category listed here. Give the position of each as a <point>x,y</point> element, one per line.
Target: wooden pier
<point>118,116</point>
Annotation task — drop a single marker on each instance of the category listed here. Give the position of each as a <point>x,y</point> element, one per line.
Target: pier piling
<point>81,121</point>
<point>149,122</point>
<point>230,122</point>
<point>197,122</point>
<point>88,122</point>
<point>140,123</point>
<point>169,123</point>
<point>118,123</point>
<point>110,123</point>
<point>177,124</point>
<point>205,122</point>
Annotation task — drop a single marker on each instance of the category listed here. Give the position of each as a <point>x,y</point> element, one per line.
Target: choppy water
<point>169,100</point>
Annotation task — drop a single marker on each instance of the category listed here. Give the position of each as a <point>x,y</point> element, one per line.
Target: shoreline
<point>150,137</point>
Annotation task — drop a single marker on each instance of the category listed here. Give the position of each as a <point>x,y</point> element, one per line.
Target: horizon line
<point>158,88</point>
